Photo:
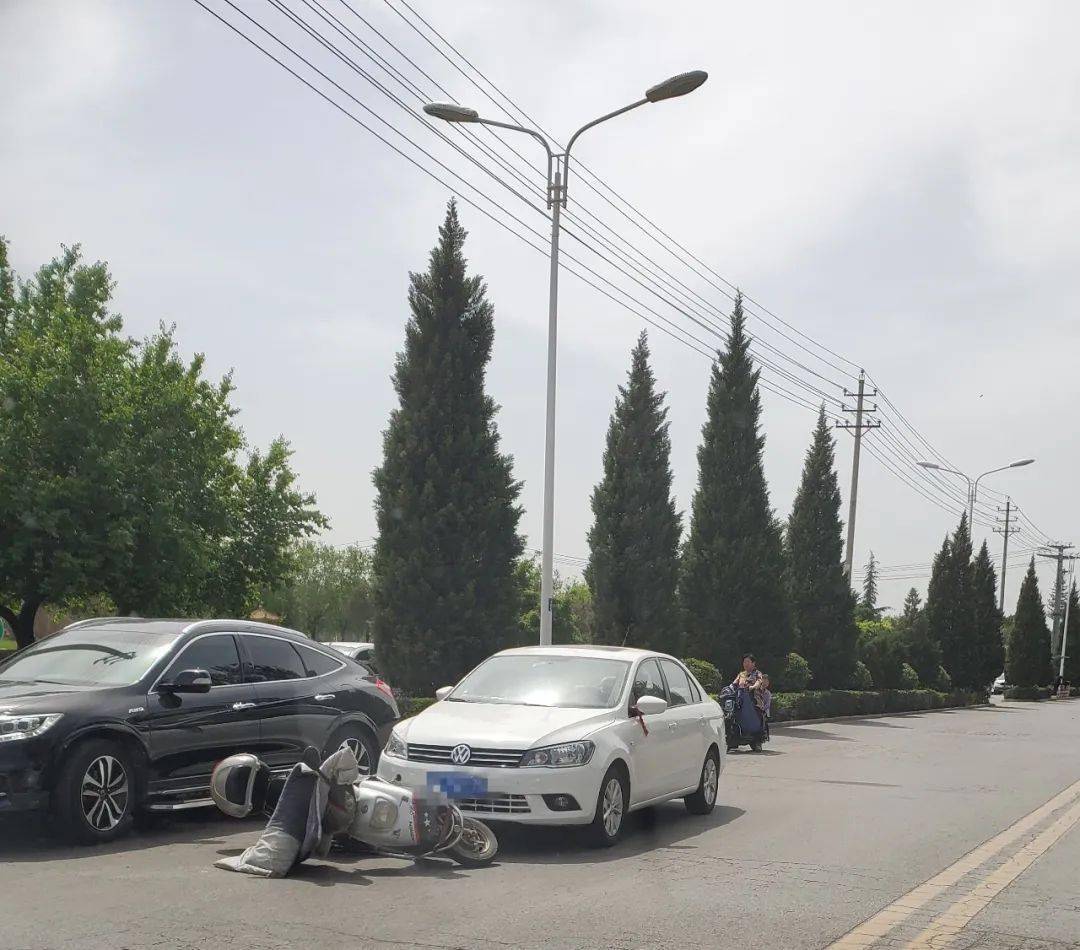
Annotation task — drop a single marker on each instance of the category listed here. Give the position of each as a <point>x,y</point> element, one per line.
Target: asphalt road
<point>836,826</point>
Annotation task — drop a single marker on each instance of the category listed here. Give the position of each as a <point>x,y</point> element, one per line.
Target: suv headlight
<point>559,756</point>
<point>15,727</point>
<point>395,746</point>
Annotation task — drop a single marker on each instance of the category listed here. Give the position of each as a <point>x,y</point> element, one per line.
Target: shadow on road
<point>805,732</point>
<point>30,839</point>
<point>650,829</point>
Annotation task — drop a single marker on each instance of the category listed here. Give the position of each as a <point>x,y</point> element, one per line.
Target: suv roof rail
<point>241,625</point>
<point>97,621</point>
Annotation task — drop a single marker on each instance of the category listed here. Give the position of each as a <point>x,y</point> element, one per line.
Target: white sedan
<point>565,735</point>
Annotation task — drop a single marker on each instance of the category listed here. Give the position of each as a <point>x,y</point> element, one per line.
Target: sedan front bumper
<point>530,796</point>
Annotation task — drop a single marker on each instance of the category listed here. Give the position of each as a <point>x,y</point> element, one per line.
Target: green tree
<point>1027,653</point>
<point>327,593</point>
<point>950,608</point>
<point>822,605</point>
<point>731,585</point>
<point>912,606</point>
<point>634,540</point>
<point>445,570</point>
<point>120,467</point>
<point>62,363</point>
<point>987,654</point>
<point>1072,639</point>
<point>573,615</point>
<point>883,650</point>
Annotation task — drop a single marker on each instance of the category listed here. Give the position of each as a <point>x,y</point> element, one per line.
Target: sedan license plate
<point>456,784</point>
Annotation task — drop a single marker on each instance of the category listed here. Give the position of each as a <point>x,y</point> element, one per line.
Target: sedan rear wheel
<point>611,805</point>
<point>703,800</point>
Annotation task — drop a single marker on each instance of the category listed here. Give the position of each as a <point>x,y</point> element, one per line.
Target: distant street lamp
<point>558,177</point>
<point>973,486</point>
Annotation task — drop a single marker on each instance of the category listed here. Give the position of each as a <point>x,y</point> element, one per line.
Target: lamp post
<point>558,177</point>
<point>973,486</point>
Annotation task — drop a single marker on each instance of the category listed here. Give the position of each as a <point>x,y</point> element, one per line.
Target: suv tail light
<point>384,687</point>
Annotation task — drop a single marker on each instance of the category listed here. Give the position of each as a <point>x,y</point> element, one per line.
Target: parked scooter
<point>317,805</point>
<point>736,722</point>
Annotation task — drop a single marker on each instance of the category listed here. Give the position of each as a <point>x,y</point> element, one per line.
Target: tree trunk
<point>23,623</point>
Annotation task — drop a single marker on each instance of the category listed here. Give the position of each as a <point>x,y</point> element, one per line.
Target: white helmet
<point>238,784</point>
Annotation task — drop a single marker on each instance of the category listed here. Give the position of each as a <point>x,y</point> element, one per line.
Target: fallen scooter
<point>318,805</point>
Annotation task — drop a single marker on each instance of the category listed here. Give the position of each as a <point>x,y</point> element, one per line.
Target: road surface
<point>956,828</point>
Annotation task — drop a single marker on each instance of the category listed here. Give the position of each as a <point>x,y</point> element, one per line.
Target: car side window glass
<point>678,684</point>
<point>273,660</point>
<point>316,663</point>
<point>215,654</point>
<point>648,682</point>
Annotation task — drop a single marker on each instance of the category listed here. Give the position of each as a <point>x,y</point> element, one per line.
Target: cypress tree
<point>822,604</point>
<point>869,587</point>
<point>988,648</point>
<point>444,571</point>
<point>912,606</point>
<point>634,540</point>
<point>1027,654</point>
<point>731,585</point>
<point>950,607</point>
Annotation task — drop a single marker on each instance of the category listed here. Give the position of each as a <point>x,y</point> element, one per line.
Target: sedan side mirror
<point>650,706</point>
<point>443,691</point>
<point>189,681</point>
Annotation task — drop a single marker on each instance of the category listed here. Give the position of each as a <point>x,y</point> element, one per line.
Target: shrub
<point>797,674</point>
<point>814,704</point>
<point>411,705</point>
<point>883,650</point>
<point>861,678</point>
<point>1029,694</point>
<point>909,679</point>
<point>943,681</point>
<point>707,674</point>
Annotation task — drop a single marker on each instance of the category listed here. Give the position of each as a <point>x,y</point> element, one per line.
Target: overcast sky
<point>897,181</point>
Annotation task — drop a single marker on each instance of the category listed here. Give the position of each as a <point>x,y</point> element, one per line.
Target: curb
<point>892,715</point>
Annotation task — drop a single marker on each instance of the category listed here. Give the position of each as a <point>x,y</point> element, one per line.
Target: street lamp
<point>973,486</point>
<point>558,177</point>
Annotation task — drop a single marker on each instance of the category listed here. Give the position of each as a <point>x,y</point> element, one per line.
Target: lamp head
<point>676,86</point>
<point>928,465</point>
<point>451,112</point>
<point>1021,462</point>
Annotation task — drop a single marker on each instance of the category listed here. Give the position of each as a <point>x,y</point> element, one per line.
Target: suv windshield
<point>89,658</point>
<point>576,682</point>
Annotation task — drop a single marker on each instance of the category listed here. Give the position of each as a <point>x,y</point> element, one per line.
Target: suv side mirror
<point>189,681</point>
<point>443,691</point>
<point>650,706</point>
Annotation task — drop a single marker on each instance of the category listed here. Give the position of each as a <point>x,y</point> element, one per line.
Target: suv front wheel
<point>94,797</point>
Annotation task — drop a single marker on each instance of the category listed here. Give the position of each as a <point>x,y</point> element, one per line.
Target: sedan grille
<point>495,805</point>
<point>489,758</point>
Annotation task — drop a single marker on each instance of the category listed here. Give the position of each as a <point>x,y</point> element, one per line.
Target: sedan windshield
<point>571,682</point>
<point>89,658</point>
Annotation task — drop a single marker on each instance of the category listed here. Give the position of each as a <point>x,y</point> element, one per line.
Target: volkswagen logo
<point>460,754</point>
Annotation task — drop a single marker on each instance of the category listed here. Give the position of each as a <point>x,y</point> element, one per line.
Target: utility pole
<point>1059,582</point>
<point>859,428</point>
<point>1006,531</point>
<point>1065,625</point>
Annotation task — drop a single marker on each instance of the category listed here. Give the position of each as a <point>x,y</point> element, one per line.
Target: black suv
<point>111,717</point>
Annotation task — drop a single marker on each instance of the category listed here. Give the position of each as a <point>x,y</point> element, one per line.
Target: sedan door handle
<point>239,706</point>
<point>673,726</point>
<point>323,697</point>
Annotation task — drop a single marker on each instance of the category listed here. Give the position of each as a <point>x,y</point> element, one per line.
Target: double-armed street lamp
<point>558,176</point>
<point>973,486</point>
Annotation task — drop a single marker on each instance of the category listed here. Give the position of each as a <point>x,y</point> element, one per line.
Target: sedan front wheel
<point>611,806</point>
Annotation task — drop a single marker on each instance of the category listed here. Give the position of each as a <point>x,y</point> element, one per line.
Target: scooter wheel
<point>477,846</point>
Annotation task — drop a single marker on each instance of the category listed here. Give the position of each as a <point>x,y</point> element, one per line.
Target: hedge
<point>827,704</point>
<point>411,705</point>
<point>1027,694</point>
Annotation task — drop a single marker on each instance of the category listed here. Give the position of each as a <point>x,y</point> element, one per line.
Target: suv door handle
<point>239,706</point>
<point>323,697</point>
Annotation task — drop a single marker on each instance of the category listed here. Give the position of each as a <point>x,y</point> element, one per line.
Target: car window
<point>216,654</point>
<point>316,663</point>
<point>273,659</point>
<point>679,688</point>
<point>648,682</point>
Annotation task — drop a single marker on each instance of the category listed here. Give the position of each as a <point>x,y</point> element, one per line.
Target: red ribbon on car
<point>641,720</point>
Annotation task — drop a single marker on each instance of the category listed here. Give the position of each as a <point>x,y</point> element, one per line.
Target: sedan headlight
<point>395,746</point>
<point>15,727</point>
<point>559,756</point>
